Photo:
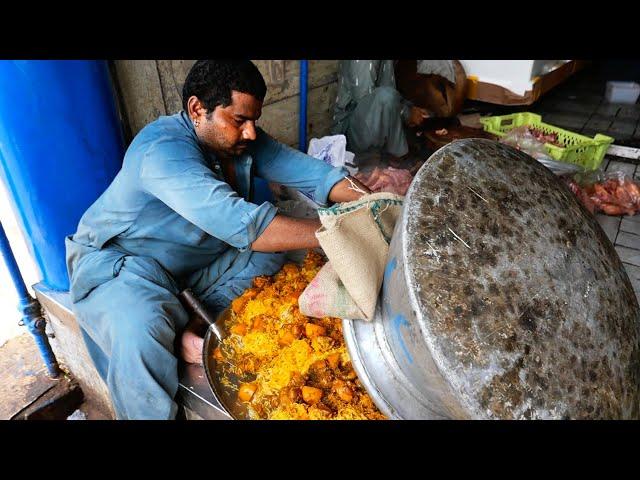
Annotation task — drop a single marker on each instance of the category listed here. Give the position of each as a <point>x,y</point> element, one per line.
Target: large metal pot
<point>502,298</point>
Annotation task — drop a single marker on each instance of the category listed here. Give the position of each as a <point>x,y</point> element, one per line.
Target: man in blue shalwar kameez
<point>177,215</point>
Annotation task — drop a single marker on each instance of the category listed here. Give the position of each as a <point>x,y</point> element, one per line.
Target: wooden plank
<point>23,375</point>
<point>610,225</point>
<point>628,240</point>
<point>629,255</point>
<point>152,88</point>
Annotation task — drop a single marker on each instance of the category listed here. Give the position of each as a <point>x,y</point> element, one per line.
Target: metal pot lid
<point>524,303</point>
<point>523,308</point>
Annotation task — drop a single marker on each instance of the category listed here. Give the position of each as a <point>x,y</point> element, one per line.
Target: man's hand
<point>191,345</point>
<point>417,116</point>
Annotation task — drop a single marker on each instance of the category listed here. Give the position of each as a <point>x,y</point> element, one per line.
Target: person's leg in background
<point>376,123</point>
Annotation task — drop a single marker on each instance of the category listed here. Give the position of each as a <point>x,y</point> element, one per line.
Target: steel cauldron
<point>502,299</point>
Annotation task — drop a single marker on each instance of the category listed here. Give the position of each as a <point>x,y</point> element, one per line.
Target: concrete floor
<point>27,392</point>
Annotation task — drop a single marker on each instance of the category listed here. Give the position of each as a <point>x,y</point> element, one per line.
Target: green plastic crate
<point>578,149</point>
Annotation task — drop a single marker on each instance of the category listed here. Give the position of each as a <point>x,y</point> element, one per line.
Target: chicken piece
<point>239,329</point>
<point>347,372</point>
<point>297,331</point>
<point>633,189</point>
<point>238,304</point>
<point>311,330</point>
<point>286,337</point>
<point>290,269</point>
<point>259,323</point>
<point>311,395</point>
<point>320,375</point>
<point>297,380</point>
<point>289,395</point>
<point>344,392</point>
<point>289,333</point>
<point>246,391</point>
<point>334,360</point>
<point>612,209</point>
<point>320,411</point>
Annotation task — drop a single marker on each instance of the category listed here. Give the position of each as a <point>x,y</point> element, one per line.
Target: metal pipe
<point>302,120</point>
<point>29,307</point>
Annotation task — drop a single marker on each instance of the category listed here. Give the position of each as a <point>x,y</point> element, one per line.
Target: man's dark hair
<point>213,80</point>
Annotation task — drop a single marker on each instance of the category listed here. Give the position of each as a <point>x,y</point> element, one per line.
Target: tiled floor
<point>579,105</point>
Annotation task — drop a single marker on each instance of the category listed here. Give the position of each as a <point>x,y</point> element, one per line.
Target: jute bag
<point>355,237</point>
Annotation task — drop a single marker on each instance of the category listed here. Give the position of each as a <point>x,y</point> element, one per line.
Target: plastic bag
<point>521,138</point>
<point>532,142</point>
<point>332,150</point>
<point>612,193</point>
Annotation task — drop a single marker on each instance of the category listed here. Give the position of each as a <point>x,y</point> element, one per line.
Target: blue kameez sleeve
<point>176,173</point>
<point>276,162</point>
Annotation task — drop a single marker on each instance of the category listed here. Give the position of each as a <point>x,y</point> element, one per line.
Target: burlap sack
<point>355,237</point>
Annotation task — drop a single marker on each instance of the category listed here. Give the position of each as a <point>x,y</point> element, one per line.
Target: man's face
<point>227,131</point>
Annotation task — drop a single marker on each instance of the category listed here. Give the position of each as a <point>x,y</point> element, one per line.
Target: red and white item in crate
<point>531,140</point>
<point>612,193</point>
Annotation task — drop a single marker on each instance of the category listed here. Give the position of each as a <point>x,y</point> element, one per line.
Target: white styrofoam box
<point>622,92</point>
<point>514,75</point>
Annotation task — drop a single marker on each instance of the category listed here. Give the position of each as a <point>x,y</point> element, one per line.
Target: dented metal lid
<point>516,303</point>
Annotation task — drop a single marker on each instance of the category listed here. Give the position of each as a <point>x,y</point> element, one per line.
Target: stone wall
<point>150,88</point>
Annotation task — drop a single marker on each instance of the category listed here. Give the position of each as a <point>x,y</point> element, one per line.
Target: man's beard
<point>240,148</point>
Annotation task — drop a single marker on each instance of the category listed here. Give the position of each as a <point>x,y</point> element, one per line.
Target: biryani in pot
<point>301,367</point>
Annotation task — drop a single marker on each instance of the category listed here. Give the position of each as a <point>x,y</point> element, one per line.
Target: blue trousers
<point>130,323</point>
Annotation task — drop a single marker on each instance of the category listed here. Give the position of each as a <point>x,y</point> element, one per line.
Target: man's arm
<point>287,233</point>
<point>348,190</point>
<point>175,172</point>
<point>279,163</point>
